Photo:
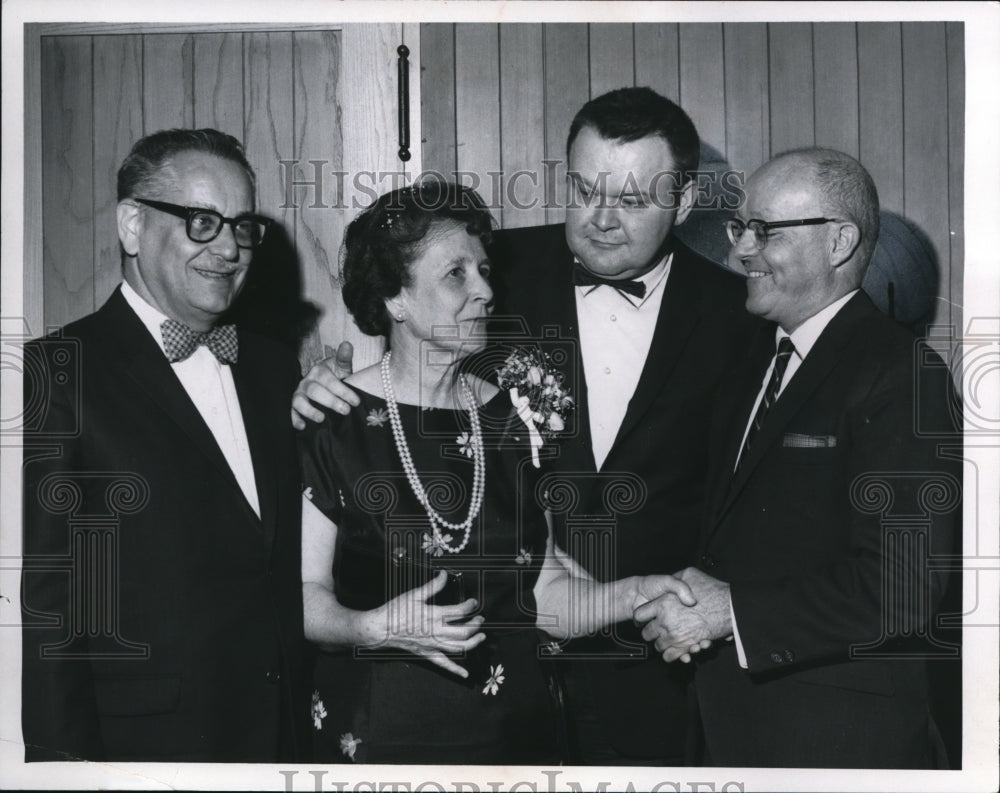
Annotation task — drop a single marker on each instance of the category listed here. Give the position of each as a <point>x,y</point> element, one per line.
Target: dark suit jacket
<point>824,535</point>
<point>163,618</point>
<point>641,513</point>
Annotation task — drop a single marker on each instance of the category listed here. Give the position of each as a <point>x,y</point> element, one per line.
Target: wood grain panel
<point>370,139</point>
<point>477,96</point>
<point>835,55</point>
<point>747,113</point>
<point>612,57</point>
<point>522,125</point>
<point>117,125</point>
<point>925,144</point>
<point>218,82</point>
<point>955,44</point>
<point>319,224</point>
<point>67,178</point>
<point>33,282</point>
<point>268,99</point>
<point>167,81</point>
<point>567,89</point>
<point>880,109</point>
<point>791,76</point>
<point>657,58</point>
<point>437,97</point>
<point>702,92</point>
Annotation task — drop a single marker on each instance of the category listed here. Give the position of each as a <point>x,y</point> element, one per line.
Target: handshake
<point>682,614</point>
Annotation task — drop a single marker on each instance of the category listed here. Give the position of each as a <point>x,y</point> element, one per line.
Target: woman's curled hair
<point>385,238</point>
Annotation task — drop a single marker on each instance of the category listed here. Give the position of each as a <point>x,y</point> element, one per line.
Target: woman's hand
<point>408,622</point>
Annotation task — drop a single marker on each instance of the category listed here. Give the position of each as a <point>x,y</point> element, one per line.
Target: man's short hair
<point>847,191</point>
<point>143,171</point>
<point>629,114</point>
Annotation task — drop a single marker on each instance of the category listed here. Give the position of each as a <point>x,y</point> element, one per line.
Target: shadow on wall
<point>901,280</point>
<point>271,302</point>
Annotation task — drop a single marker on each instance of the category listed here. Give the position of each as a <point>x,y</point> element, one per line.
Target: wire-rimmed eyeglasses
<point>204,225</point>
<point>762,228</point>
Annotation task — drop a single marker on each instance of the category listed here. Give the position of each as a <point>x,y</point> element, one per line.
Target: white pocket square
<point>797,440</point>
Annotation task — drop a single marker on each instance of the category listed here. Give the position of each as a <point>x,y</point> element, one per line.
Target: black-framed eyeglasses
<point>204,225</point>
<point>761,228</point>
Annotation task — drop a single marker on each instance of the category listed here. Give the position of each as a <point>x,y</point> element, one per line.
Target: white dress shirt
<point>210,386</point>
<point>616,330</point>
<point>804,338</point>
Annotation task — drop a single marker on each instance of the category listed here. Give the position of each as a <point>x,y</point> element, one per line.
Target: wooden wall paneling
<point>67,178</point>
<point>657,58</point>
<point>702,92</point>
<point>522,125</point>
<point>269,103</point>
<point>117,125</point>
<point>370,139</point>
<point>925,144</point>
<point>32,284</point>
<point>437,97</point>
<point>790,70</point>
<point>612,57</point>
<point>167,81</point>
<point>477,100</point>
<point>218,82</point>
<point>567,89</point>
<point>955,43</point>
<point>835,54</point>
<point>747,114</point>
<point>319,222</point>
<point>880,109</point>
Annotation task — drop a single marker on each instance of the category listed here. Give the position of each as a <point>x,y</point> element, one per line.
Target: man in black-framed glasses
<point>818,552</point>
<point>174,623</point>
<point>204,225</point>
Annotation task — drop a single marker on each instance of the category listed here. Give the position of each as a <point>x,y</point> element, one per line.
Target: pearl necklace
<point>479,469</point>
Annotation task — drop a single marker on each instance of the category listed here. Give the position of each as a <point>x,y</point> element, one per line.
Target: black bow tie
<point>180,341</point>
<point>583,277</point>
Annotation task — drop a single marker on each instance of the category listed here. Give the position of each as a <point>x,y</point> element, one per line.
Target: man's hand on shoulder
<point>324,385</point>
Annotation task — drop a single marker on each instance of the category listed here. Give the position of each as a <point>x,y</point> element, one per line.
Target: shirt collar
<point>806,334</point>
<point>651,278</point>
<point>149,315</point>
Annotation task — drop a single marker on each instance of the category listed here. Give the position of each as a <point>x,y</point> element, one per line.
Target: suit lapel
<point>677,319</point>
<point>814,370</point>
<point>145,363</point>
<point>260,435</point>
<point>559,310</point>
<point>733,412</point>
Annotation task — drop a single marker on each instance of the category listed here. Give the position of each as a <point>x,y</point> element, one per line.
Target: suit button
<point>776,657</point>
<point>708,561</point>
<point>789,656</point>
<point>272,676</point>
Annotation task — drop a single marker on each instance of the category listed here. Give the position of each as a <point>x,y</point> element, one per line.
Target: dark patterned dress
<point>388,706</point>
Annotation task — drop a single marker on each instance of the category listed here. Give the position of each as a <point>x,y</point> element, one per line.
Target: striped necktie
<point>781,358</point>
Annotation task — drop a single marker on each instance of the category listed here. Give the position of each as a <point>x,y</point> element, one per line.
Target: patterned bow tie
<point>583,277</point>
<point>180,341</point>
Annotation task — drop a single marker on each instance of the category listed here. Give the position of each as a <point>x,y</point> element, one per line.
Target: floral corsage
<point>537,393</point>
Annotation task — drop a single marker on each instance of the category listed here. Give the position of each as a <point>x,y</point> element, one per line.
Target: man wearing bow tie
<point>653,329</point>
<point>162,596</point>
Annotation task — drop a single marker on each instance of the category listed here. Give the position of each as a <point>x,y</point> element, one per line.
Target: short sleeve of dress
<point>318,450</point>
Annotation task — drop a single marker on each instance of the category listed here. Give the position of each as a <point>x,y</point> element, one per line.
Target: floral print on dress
<point>349,744</point>
<point>318,711</point>
<point>466,445</point>
<point>377,417</point>
<point>435,544</point>
<point>495,680</point>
